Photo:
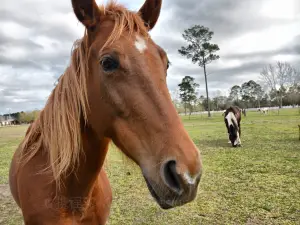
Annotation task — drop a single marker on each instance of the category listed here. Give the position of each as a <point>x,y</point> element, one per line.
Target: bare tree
<point>293,77</point>
<point>279,77</point>
<point>287,74</point>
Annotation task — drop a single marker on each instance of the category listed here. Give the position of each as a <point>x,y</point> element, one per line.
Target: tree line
<point>279,85</point>
<point>23,117</point>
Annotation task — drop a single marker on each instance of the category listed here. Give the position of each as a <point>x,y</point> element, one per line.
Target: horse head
<point>233,127</point>
<point>127,99</point>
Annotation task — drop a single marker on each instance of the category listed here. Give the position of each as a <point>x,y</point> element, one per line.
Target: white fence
<point>249,109</point>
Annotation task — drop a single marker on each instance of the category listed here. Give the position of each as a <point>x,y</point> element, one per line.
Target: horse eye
<point>109,64</point>
<point>168,64</point>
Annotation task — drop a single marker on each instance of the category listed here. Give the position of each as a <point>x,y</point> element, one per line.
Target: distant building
<point>8,120</point>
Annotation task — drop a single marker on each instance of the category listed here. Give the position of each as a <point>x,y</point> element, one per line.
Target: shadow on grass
<point>217,143</point>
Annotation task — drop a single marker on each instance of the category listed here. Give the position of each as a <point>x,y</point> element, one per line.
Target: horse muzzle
<point>173,189</point>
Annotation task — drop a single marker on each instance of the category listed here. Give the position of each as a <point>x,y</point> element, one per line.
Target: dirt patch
<point>4,191</point>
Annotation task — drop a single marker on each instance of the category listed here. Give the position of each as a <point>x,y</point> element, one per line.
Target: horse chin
<point>236,145</point>
<point>232,143</point>
<point>165,198</point>
<point>163,204</point>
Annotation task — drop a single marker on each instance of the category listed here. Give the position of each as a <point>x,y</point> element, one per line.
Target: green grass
<point>256,184</point>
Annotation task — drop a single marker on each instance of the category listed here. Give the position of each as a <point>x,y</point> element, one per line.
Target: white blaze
<point>229,118</point>
<point>237,140</point>
<point>140,44</point>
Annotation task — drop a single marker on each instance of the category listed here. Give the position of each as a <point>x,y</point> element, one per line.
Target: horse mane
<point>58,127</point>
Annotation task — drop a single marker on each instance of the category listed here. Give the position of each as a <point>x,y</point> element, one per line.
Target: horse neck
<point>95,150</point>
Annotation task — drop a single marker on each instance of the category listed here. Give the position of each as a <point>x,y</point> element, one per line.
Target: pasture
<point>256,184</point>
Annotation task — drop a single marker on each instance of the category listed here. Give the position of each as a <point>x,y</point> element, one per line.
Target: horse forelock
<point>58,127</point>
<point>124,20</point>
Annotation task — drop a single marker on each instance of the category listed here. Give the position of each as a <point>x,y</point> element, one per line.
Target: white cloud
<point>278,9</point>
<point>274,37</point>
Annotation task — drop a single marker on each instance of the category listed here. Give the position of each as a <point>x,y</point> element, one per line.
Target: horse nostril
<point>171,177</point>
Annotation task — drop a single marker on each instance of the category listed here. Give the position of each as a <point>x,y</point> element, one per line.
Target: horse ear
<point>150,12</point>
<point>87,12</point>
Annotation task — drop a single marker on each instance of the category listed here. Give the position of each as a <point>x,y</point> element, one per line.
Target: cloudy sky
<point>36,38</point>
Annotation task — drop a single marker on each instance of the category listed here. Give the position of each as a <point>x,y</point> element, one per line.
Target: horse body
<point>232,118</point>
<point>263,110</point>
<point>114,90</point>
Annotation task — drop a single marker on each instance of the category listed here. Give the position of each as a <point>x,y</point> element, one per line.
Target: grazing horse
<point>263,110</point>
<point>232,118</point>
<point>113,90</point>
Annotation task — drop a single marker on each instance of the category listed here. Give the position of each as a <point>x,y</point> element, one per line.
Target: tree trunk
<point>279,100</point>
<point>208,105</point>
<point>185,108</point>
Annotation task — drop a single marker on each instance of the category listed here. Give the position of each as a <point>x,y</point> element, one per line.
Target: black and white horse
<point>232,118</point>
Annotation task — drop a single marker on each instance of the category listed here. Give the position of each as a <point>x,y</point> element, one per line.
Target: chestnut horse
<point>113,90</point>
<point>232,118</point>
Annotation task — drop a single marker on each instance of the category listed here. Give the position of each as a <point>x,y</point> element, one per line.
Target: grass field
<point>256,184</point>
